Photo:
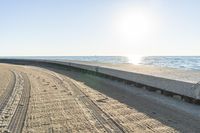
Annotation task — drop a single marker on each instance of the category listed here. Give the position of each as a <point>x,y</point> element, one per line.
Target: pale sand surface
<point>76,102</point>
<point>5,76</point>
<point>170,73</point>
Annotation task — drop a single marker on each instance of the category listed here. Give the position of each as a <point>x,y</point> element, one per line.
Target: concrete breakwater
<point>184,90</point>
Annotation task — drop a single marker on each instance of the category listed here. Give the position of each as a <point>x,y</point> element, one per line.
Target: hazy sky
<point>99,27</point>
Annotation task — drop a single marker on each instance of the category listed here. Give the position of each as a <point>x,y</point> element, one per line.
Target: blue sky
<point>99,27</point>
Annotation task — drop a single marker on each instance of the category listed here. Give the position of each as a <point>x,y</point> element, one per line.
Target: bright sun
<point>134,25</point>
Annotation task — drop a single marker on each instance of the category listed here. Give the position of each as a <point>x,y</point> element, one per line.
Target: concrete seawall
<point>185,90</point>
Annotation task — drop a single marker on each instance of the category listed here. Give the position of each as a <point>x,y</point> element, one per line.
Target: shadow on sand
<point>168,116</point>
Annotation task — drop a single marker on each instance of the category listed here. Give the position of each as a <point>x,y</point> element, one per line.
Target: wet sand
<point>68,101</point>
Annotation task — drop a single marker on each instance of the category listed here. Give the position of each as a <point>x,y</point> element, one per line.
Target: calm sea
<point>180,62</point>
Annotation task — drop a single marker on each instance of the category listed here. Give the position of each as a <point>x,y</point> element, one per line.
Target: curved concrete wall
<point>169,85</point>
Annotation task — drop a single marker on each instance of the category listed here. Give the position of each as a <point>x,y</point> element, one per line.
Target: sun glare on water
<point>135,59</point>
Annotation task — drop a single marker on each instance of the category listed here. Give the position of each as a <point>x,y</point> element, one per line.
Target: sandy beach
<point>52,100</point>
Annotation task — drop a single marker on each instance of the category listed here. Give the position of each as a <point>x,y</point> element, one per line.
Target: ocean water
<point>180,62</point>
